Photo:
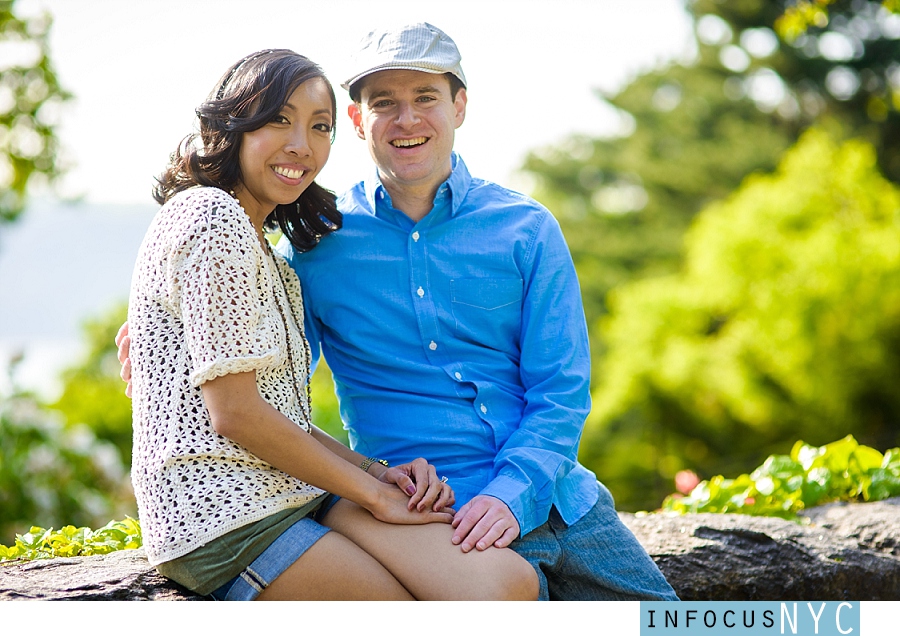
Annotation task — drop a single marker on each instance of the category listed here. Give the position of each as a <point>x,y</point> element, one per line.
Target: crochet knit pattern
<point>202,305</point>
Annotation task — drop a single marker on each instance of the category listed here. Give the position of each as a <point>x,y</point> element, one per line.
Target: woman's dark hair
<point>250,94</point>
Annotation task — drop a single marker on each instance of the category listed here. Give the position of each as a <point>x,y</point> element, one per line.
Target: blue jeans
<point>595,559</point>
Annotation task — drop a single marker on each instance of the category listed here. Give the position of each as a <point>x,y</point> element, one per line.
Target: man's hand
<point>123,342</point>
<point>419,480</point>
<point>484,522</point>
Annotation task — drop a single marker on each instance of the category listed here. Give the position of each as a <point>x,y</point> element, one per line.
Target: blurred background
<point>725,174</point>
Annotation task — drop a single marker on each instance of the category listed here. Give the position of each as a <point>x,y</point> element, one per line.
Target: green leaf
<point>867,458</point>
<point>883,484</point>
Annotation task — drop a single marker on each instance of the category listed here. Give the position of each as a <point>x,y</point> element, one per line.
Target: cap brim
<point>391,67</point>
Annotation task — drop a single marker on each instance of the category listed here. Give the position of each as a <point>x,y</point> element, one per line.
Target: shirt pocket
<point>487,311</point>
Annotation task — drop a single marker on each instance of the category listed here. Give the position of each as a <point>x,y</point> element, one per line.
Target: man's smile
<point>409,143</point>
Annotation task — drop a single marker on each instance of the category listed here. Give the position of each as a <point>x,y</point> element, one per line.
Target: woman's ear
<point>356,118</point>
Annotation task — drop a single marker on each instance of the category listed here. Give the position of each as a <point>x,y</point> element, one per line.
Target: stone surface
<point>846,551</point>
<point>118,576</point>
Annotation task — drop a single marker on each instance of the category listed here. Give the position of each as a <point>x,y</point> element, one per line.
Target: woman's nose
<point>298,143</point>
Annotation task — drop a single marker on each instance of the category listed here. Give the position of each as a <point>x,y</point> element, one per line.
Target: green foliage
<point>785,485</point>
<point>30,100</point>
<point>326,413</point>
<point>54,473</point>
<point>783,323</point>
<point>93,391</point>
<point>803,15</point>
<point>69,541</point>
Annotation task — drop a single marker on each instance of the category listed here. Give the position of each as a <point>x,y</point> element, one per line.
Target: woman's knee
<point>513,579</point>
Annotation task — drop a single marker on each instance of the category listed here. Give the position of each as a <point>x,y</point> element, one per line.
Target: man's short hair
<point>455,84</point>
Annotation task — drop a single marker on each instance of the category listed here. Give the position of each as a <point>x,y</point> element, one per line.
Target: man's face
<point>408,120</point>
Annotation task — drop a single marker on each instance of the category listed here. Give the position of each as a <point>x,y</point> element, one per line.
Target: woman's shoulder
<point>203,207</point>
<point>203,199</point>
<point>194,216</point>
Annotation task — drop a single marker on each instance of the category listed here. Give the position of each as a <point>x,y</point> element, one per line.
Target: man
<point>450,314</point>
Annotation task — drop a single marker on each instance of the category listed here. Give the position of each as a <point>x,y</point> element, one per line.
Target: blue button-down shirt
<point>459,338</point>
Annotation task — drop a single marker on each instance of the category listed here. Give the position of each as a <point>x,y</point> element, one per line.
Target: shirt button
<point>458,375</point>
<point>415,236</point>
<point>433,345</point>
<point>420,292</point>
<point>483,408</point>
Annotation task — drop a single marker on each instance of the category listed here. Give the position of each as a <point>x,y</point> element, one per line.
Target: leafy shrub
<point>93,393</point>
<point>787,484</point>
<point>69,541</point>
<point>54,473</point>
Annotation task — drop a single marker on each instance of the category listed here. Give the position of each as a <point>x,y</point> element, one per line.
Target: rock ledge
<point>846,551</point>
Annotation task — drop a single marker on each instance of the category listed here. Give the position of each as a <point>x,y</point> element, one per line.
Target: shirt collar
<point>458,182</point>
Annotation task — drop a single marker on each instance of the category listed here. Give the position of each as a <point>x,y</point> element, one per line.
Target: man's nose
<point>407,114</point>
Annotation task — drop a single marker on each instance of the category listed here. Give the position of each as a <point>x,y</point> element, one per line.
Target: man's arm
<point>555,375</point>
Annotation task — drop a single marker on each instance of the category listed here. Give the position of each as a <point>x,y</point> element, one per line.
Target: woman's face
<point>281,159</point>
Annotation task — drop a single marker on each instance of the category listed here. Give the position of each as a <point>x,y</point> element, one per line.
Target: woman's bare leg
<point>335,569</point>
<point>426,563</point>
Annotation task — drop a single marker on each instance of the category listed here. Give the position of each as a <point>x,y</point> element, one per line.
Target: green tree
<point>783,323</point>
<point>842,64</point>
<point>30,101</point>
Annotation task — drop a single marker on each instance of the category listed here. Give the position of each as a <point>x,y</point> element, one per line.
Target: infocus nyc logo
<point>763,618</point>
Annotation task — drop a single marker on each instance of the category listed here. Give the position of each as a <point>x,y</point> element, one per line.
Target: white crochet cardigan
<point>202,305</point>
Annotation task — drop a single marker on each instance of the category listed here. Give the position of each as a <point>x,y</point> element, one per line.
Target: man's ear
<point>356,118</point>
<point>460,105</point>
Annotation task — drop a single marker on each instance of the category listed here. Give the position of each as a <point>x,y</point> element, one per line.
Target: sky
<point>137,70</point>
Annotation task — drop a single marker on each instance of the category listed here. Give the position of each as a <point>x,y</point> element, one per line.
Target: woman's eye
<point>280,119</point>
<point>326,128</point>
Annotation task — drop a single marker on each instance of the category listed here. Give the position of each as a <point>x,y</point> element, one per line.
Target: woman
<point>230,475</point>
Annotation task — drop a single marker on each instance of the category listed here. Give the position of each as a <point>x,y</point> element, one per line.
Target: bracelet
<point>368,461</point>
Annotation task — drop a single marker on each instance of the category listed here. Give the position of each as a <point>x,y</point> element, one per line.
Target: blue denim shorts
<point>278,557</point>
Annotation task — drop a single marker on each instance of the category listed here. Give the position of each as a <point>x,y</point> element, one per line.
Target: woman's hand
<point>420,481</point>
<point>392,506</point>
